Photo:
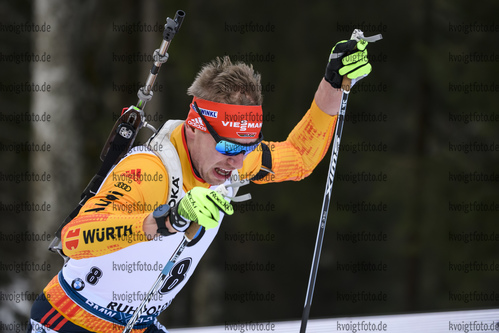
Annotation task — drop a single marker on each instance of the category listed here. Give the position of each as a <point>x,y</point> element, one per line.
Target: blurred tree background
<point>413,219</point>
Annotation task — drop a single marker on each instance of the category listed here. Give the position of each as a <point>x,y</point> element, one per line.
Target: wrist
<point>327,98</point>
<point>150,227</point>
<point>178,222</point>
<point>161,216</point>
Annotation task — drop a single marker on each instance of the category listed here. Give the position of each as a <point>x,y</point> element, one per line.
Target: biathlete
<point>132,223</point>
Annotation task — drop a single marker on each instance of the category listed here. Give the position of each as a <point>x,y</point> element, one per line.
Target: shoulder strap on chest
<point>161,145</point>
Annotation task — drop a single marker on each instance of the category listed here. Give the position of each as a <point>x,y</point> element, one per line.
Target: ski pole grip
<point>357,35</point>
<point>194,227</point>
<point>346,83</point>
<point>191,231</point>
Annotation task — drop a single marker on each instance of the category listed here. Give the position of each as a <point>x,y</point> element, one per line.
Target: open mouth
<point>223,172</point>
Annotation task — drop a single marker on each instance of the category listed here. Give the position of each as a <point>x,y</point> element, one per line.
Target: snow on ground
<point>437,322</point>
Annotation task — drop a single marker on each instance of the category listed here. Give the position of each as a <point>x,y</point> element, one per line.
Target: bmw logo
<point>78,284</point>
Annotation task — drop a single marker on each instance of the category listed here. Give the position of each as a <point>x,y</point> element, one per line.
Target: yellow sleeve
<point>295,158</point>
<point>112,219</point>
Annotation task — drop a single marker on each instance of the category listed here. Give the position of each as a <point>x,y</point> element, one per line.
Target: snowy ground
<point>455,321</point>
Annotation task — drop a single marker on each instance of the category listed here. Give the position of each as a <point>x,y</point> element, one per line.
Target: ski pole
<point>345,87</point>
<point>189,235</point>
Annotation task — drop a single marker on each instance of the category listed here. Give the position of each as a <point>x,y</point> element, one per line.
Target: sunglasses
<point>226,146</point>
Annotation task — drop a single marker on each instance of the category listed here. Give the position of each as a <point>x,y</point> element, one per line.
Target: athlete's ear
<point>190,132</point>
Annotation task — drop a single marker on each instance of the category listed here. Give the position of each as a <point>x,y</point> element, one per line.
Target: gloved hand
<point>200,205</point>
<point>344,60</point>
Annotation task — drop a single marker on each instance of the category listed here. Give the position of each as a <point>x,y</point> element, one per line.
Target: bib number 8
<point>176,275</point>
<point>94,275</point>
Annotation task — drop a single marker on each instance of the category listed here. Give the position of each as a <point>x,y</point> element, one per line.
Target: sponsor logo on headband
<point>242,125</point>
<point>197,123</point>
<point>228,120</point>
<point>209,113</point>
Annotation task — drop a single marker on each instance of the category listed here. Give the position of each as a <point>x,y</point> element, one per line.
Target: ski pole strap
<point>357,35</point>
<point>373,39</point>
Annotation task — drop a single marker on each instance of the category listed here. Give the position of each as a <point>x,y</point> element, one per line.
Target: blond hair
<point>224,82</point>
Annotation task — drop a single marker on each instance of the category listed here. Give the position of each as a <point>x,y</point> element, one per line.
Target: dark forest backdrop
<point>413,220</point>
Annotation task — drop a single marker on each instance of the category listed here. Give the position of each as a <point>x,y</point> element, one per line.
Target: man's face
<point>214,167</point>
